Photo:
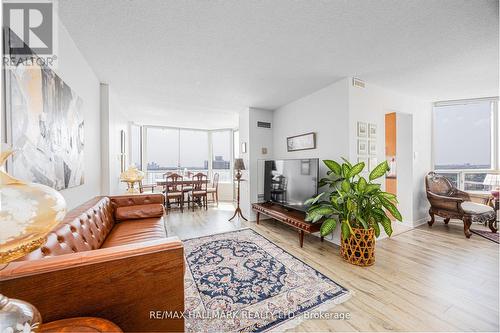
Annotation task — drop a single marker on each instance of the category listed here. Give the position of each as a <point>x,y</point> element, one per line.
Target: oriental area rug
<point>240,281</point>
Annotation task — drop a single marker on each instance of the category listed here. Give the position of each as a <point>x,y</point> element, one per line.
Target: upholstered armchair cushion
<point>475,208</point>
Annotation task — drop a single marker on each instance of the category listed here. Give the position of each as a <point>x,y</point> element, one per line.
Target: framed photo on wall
<point>301,142</point>
<point>372,130</point>
<point>362,147</point>
<point>372,147</point>
<point>362,130</point>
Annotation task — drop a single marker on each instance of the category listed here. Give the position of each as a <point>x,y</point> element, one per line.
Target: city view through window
<point>185,150</point>
<point>463,142</point>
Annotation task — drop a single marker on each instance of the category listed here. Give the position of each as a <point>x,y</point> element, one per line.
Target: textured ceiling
<point>222,56</point>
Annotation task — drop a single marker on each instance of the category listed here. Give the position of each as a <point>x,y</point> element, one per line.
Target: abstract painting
<point>45,126</point>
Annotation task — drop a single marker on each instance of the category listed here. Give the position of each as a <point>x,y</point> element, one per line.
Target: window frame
<point>494,137</point>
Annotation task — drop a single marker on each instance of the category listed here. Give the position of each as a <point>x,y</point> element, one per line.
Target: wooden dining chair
<point>174,191</point>
<point>143,187</point>
<point>214,189</point>
<point>199,191</point>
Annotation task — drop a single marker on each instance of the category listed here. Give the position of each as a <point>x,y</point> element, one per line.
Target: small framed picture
<point>305,167</point>
<point>372,130</point>
<point>362,147</point>
<point>362,130</point>
<point>372,147</point>
<point>301,142</point>
<point>372,163</point>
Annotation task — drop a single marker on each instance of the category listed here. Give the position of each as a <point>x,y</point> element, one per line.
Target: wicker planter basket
<point>359,248</point>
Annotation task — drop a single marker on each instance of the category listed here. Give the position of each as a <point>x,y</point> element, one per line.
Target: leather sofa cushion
<point>136,231</point>
<point>139,212</point>
<point>83,229</point>
<point>134,200</point>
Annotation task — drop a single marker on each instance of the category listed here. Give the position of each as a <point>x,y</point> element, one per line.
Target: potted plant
<point>358,205</point>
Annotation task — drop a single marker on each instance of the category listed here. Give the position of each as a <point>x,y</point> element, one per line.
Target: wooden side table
<point>80,324</point>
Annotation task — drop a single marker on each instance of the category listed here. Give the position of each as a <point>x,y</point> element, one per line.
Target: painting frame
<point>305,141</point>
<point>45,122</point>
<point>372,147</point>
<point>362,129</point>
<point>372,130</point>
<point>362,147</point>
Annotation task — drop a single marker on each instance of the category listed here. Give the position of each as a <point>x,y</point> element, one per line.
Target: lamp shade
<point>492,179</point>
<point>239,164</point>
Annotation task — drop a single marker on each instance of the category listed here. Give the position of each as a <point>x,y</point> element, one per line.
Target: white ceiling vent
<point>358,82</point>
<point>263,124</point>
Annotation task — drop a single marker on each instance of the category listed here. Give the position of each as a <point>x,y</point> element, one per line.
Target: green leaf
<point>371,188</point>
<point>345,170</point>
<point>361,184</point>
<point>363,222</point>
<point>379,170</point>
<point>347,162</point>
<point>377,229</point>
<point>346,186</point>
<point>391,208</point>
<point>389,196</point>
<point>356,169</point>
<point>345,230</point>
<point>386,223</point>
<point>334,166</point>
<point>313,200</point>
<point>351,205</point>
<point>322,211</point>
<point>328,226</point>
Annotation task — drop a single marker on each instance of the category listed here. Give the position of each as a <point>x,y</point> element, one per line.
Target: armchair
<point>451,203</point>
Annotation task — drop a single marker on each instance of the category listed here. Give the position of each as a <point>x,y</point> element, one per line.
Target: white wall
<point>256,138</point>
<point>74,70</point>
<point>325,112</point>
<point>113,123</point>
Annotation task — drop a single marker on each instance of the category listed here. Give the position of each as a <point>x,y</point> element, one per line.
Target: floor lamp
<point>238,166</point>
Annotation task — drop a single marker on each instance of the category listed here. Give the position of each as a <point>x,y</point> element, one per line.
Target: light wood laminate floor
<point>425,279</point>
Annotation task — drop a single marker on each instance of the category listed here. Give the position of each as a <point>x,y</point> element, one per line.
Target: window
<point>135,145</point>
<point>193,150</point>
<point>462,136</point>
<point>162,151</point>
<point>221,154</point>
<point>466,141</point>
<point>177,149</point>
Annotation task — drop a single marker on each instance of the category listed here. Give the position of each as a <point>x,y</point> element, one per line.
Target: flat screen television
<point>291,182</point>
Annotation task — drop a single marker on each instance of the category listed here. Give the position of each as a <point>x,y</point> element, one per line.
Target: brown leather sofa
<point>110,258</point>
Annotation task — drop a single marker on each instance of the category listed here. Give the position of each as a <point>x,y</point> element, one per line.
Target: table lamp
<point>238,166</point>
<point>131,176</point>
<point>493,180</point>
<point>28,212</point>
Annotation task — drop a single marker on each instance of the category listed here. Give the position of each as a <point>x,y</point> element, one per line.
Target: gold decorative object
<point>131,176</point>
<point>28,212</point>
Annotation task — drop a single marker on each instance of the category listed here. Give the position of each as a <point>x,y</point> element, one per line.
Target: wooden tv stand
<point>293,218</point>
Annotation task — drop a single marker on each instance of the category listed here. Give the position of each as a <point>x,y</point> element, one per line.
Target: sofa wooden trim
<point>122,284</point>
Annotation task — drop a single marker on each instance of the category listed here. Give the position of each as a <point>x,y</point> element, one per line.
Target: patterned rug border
<point>294,321</point>
<point>481,233</point>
